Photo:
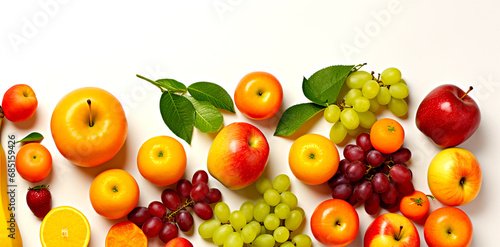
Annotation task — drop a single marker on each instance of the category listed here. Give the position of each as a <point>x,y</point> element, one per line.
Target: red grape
<point>405,188</point>
<point>169,232</point>
<point>199,191</point>
<point>390,195</point>
<point>353,153</point>
<point>401,156</point>
<point>184,187</point>
<point>400,174</point>
<point>355,171</point>
<point>200,176</point>
<point>380,182</point>
<point>372,204</point>
<point>343,164</point>
<point>184,220</point>
<point>338,179</point>
<point>342,191</point>
<point>139,215</point>
<point>152,227</point>
<point>213,195</point>
<point>171,199</point>
<point>363,141</point>
<point>157,209</point>
<point>375,158</point>
<point>203,210</point>
<point>363,190</point>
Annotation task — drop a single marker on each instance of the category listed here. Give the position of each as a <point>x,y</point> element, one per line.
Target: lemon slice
<point>65,226</point>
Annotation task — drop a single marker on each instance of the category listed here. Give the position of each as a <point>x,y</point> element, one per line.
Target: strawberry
<point>39,200</point>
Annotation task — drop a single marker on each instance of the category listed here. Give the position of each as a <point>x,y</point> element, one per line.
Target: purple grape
<point>372,204</point>
<point>203,210</point>
<point>352,199</point>
<point>380,182</point>
<point>405,188</point>
<point>200,176</point>
<point>213,195</point>
<point>400,174</point>
<point>355,171</point>
<point>199,191</point>
<point>338,179</point>
<point>152,227</point>
<point>363,190</point>
<point>342,191</point>
<point>139,215</point>
<point>157,209</point>
<point>401,156</point>
<point>171,199</point>
<point>353,153</point>
<point>375,158</point>
<point>363,141</point>
<point>390,195</point>
<point>184,187</point>
<point>169,232</point>
<point>184,220</point>
<point>343,164</point>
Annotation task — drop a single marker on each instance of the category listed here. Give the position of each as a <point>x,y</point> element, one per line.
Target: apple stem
<point>91,123</point>
<point>399,234</point>
<point>470,89</point>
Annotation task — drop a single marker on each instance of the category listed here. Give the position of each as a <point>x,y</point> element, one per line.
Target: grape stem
<point>189,202</point>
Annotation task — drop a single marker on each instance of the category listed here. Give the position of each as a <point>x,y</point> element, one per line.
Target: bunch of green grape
<point>270,221</point>
<point>356,112</point>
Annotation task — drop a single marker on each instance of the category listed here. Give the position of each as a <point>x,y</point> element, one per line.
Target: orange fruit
<point>313,159</point>
<point>114,193</point>
<point>65,226</point>
<point>162,160</point>
<point>387,135</point>
<point>415,205</point>
<point>126,234</point>
<point>33,162</point>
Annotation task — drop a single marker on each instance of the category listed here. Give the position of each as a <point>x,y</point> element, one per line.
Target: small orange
<point>415,205</point>
<point>114,193</point>
<point>126,234</point>
<point>313,159</point>
<point>162,160</point>
<point>387,135</point>
<point>33,162</point>
<point>65,226</point>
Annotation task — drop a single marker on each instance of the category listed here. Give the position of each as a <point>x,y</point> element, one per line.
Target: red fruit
<point>39,200</point>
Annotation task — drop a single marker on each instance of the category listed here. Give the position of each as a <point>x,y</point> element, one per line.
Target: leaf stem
<point>151,81</point>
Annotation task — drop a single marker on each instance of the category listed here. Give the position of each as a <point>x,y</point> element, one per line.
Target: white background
<point>72,44</point>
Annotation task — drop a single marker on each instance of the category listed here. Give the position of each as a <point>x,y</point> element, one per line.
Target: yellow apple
<point>454,176</point>
<point>89,126</point>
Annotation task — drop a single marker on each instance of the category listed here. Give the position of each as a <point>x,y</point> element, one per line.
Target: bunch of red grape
<point>370,176</point>
<point>165,218</point>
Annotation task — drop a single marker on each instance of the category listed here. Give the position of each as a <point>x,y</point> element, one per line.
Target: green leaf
<point>296,116</point>
<point>213,93</point>
<point>32,137</point>
<point>178,114</point>
<point>172,85</point>
<point>324,86</point>
<point>208,119</point>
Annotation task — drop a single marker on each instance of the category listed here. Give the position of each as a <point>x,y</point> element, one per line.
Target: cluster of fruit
<point>266,223</point>
<point>365,96</point>
<point>165,218</point>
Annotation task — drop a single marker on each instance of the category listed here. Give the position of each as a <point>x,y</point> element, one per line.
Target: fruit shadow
<point>27,124</point>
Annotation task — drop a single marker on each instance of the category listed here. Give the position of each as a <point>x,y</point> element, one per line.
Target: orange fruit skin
<point>313,159</point>
<point>162,160</point>
<point>258,95</point>
<point>126,234</point>
<point>387,135</point>
<point>114,193</point>
<point>19,103</point>
<point>448,226</point>
<point>33,162</point>
<point>414,206</point>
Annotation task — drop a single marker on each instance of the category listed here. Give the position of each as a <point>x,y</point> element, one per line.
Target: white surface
<point>105,43</point>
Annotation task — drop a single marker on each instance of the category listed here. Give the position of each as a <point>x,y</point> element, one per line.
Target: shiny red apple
<point>179,242</point>
<point>448,116</point>
<point>391,230</point>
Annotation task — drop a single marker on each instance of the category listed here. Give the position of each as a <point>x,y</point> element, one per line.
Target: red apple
<point>238,155</point>
<point>448,116</point>
<point>335,222</point>
<point>391,230</point>
<point>448,226</point>
<point>19,103</point>
<point>179,242</point>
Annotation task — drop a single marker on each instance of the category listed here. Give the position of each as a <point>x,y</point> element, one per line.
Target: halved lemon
<point>65,226</point>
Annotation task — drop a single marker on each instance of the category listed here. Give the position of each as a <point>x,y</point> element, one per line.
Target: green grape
<point>237,220</point>
<point>261,210</point>
<point>271,222</point>
<point>355,132</point>
<point>367,119</point>
<point>398,107</point>
<point>234,240</point>
<point>370,89</point>
<point>374,105</point>
<point>207,228</point>
<point>391,76</point>
<point>361,104</point>
<point>256,226</point>
<point>247,209</point>
<point>384,96</point>
<point>302,240</point>
<point>249,233</point>
<point>332,113</point>
<point>263,230</point>
<point>222,212</point>
<point>301,210</point>
<point>351,95</point>
<point>358,79</point>
<point>338,132</point>
<point>282,211</point>
<point>287,244</point>
<point>349,118</point>
<point>294,220</point>
<point>264,240</point>
<point>281,183</point>
<point>403,81</point>
<point>289,199</point>
<point>263,184</point>
<point>399,91</point>
<point>281,234</point>
<point>220,234</point>
<point>272,197</point>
